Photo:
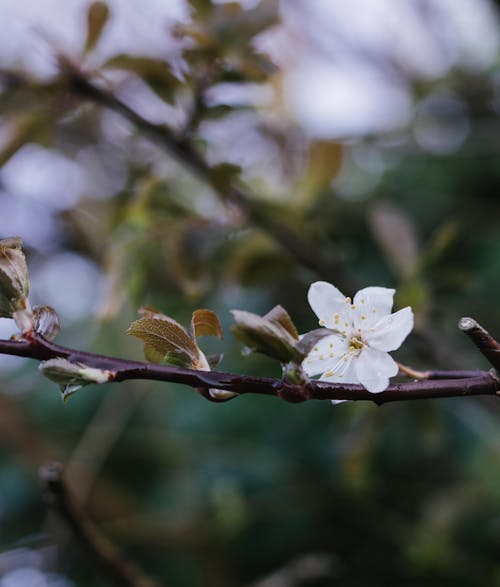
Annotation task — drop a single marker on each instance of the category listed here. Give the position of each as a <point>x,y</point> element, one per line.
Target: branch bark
<point>119,570</point>
<point>438,384</point>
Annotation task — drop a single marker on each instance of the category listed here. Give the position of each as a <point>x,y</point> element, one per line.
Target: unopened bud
<point>14,280</point>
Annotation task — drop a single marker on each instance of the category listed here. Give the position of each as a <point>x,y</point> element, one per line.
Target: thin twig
<point>486,344</point>
<point>439,383</point>
<point>121,571</point>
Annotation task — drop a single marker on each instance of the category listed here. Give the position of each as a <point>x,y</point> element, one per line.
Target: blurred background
<point>371,130</point>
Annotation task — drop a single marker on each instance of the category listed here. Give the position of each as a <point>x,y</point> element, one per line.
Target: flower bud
<point>14,280</point>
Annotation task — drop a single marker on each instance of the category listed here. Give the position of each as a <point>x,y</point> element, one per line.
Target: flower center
<point>356,344</point>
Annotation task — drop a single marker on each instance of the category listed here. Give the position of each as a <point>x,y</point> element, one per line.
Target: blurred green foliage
<point>205,494</point>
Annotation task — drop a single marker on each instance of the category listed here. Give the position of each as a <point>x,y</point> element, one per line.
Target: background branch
<point>119,570</point>
<point>230,190</point>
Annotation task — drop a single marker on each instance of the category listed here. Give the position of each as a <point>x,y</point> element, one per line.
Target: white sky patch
<point>335,102</point>
<point>44,175</point>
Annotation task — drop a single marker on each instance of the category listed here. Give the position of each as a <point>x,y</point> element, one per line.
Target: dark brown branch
<point>119,570</point>
<point>438,384</point>
<point>184,151</point>
<point>486,344</point>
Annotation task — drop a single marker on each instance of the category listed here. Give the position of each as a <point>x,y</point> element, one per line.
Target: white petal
<point>342,371</point>
<point>326,301</point>
<point>371,304</point>
<point>390,331</point>
<point>326,353</point>
<point>373,369</point>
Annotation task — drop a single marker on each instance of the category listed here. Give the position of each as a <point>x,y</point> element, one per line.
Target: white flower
<point>365,332</point>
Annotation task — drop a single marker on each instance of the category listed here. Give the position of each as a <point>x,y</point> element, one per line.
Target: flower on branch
<point>363,332</point>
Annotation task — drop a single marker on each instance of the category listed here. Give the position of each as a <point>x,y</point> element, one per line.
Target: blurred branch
<point>438,384</point>
<point>228,189</point>
<point>119,570</point>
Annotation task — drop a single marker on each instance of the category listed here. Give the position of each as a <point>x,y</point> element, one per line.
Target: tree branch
<point>184,151</point>
<point>119,570</point>
<point>438,384</point>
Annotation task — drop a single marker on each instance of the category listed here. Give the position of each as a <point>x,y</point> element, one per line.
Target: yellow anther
<point>321,322</point>
<point>331,345</point>
<point>348,300</point>
<point>353,306</point>
<point>315,349</point>
<point>346,323</point>
<point>363,317</point>
<point>321,357</point>
<point>331,355</point>
<point>329,374</point>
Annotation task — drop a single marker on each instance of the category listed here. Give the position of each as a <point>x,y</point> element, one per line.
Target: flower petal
<point>326,301</point>
<point>371,304</point>
<point>326,353</point>
<point>390,331</point>
<point>342,371</point>
<point>373,369</point>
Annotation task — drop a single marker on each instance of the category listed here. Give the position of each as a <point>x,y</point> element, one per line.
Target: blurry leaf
<point>280,316</point>
<point>263,336</point>
<point>224,174</point>
<point>202,8</point>
<point>325,159</point>
<point>256,260</point>
<point>46,322</point>
<point>165,335</point>
<point>97,17</point>
<point>444,238</point>
<point>155,72</point>
<point>206,323</point>
<point>396,235</point>
<point>28,128</point>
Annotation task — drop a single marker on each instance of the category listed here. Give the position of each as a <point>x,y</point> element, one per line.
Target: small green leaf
<point>46,322</point>
<point>155,72</point>
<point>263,336</point>
<point>206,323</point>
<point>97,17</point>
<point>280,316</point>
<point>165,335</point>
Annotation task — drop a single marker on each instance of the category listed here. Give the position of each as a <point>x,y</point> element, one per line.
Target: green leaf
<point>206,323</point>
<point>164,335</point>
<point>155,72</point>
<point>278,315</point>
<point>263,336</point>
<point>97,17</point>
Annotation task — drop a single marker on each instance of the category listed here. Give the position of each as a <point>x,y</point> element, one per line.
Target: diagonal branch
<point>438,384</point>
<point>183,149</point>
<point>120,571</point>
